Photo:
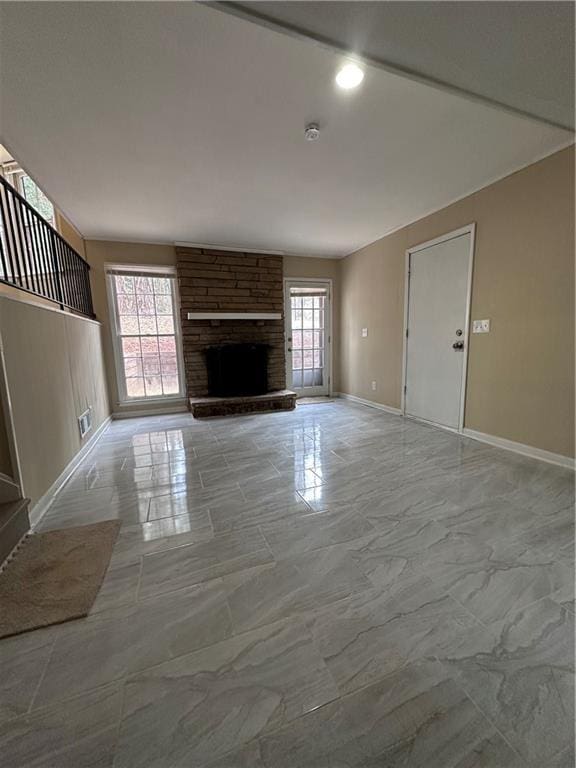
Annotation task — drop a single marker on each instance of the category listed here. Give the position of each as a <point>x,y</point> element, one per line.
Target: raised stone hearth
<point>204,407</point>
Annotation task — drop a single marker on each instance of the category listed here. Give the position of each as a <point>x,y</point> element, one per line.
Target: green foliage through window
<point>37,199</point>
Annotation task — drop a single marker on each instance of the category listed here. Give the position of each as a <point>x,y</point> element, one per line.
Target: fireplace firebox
<point>237,369</point>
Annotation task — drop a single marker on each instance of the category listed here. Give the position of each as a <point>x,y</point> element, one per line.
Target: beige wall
<point>99,253</point>
<point>54,372</point>
<point>304,266</point>
<point>520,375</point>
<point>5,458</point>
<point>70,233</point>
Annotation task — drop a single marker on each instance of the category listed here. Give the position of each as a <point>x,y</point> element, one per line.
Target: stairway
<point>14,521</point>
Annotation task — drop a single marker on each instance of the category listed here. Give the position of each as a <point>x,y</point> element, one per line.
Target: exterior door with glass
<point>308,337</point>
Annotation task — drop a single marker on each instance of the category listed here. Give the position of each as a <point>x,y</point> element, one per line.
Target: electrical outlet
<point>364,332</point>
<point>481,326</point>
<point>373,386</point>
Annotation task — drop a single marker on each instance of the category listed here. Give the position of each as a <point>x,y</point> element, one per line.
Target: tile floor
<point>333,587</point>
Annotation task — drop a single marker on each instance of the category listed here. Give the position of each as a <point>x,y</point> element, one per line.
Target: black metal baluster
<point>64,272</point>
<point>49,261</point>
<point>32,252</point>
<point>15,241</point>
<point>79,282</point>
<point>23,244</point>
<point>57,271</point>
<point>89,292</point>
<point>72,262</point>
<point>37,223</point>
<point>9,276</point>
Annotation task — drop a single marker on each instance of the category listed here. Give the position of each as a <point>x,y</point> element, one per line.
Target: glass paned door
<point>307,337</point>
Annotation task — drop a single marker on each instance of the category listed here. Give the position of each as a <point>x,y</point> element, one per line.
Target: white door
<point>437,330</point>
<point>308,337</point>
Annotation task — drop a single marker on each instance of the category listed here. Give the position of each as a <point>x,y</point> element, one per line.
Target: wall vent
<point>85,422</point>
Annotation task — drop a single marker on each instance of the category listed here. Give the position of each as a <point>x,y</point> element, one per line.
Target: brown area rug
<point>55,576</point>
<point>314,400</point>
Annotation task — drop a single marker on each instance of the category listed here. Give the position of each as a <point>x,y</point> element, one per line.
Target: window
<point>37,199</point>
<point>26,186</point>
<point>146,334</point>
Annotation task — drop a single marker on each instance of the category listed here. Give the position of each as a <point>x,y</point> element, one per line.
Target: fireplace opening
<point>237,369</point>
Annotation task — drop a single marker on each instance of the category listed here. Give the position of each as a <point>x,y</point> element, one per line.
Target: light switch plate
<point>364,332</point>
<point>481,326</point>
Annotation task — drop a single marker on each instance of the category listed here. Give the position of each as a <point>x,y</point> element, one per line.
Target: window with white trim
<point>146,334</point>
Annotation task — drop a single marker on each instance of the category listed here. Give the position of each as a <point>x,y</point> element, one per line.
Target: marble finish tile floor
<point>333,587</point>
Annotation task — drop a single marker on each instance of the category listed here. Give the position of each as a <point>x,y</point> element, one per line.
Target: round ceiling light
<point>350,76</point>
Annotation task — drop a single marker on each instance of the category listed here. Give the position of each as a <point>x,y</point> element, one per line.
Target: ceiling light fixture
<point>350,76</point>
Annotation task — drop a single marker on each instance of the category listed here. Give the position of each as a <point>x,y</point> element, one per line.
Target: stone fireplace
<point>215,282</point>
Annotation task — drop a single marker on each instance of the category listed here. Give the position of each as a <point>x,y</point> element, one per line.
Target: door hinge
<point>405,388</point>
<point>406,332</point>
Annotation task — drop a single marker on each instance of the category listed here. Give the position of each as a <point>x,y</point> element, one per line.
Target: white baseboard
<point>39,509</point>
<point>166,410</point>
<point>525,450</point>
<point>496,442</point>
<point>369,403</point>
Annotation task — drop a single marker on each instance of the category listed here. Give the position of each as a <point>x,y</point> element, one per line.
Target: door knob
<point>458,345</point>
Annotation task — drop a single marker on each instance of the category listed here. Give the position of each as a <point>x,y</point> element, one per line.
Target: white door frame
<point>323,281</point>
<point>468,229</point>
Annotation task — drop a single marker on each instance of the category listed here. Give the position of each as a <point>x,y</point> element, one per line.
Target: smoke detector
<point>312,132</point>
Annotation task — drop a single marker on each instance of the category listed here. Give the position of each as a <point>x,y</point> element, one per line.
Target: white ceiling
<point>175,122</point>
<point>520,54</point>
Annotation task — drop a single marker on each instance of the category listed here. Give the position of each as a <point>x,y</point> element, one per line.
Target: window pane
<point>135,387</point>
<point>151,365</point>
<point>163,305</point>
<point>169,365</point>
<point>131,347</point>
<point>145,304</point>
<point>165,324</point>
<point>37,199</point>
<point>161,285</point>
<point>129,324</point>
<point>153,385</point>
<point>124,284</point>
<point>308,339</point>
<point>133,366</point>
<point>149,345</point>
<point>144,284</point>
<point>126,304</point>
<point>170,384</point>
<point>167,345</point>
<point>148,325</point>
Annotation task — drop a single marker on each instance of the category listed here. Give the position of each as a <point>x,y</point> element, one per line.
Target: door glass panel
<point>308,319</point>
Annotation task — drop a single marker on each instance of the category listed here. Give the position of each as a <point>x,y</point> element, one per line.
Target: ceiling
<point>163,122</point>
<point>519,54</point>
